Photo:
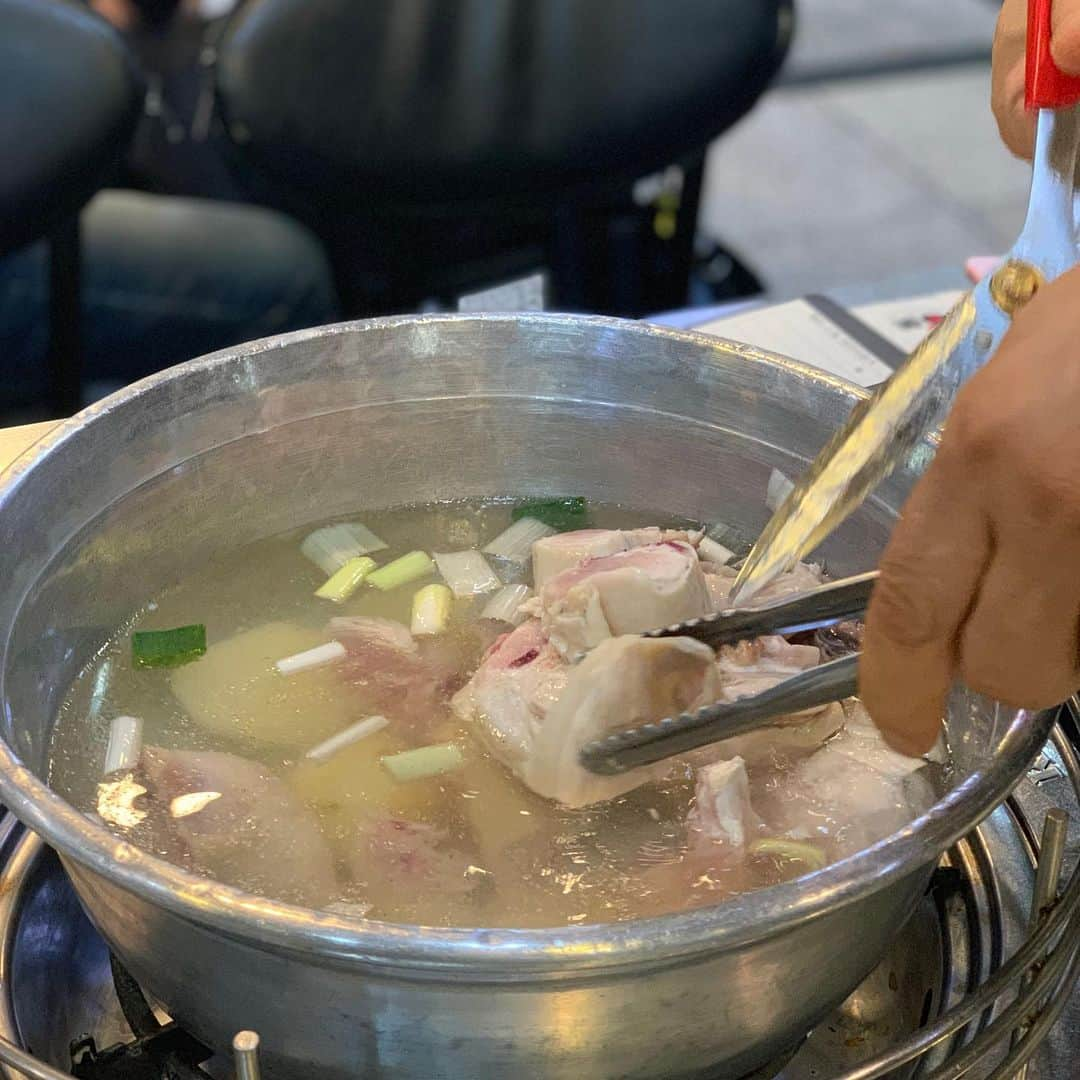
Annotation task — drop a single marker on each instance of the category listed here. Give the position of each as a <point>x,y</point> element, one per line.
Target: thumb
<point>930,574</point>
<point>1065,35</point>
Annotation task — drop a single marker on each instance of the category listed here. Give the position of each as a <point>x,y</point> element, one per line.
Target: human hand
<point>1016,124</point>
<point>981,579</point>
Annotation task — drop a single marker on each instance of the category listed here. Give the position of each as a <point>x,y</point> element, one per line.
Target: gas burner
<point>968,988</point>
<point>158,1051</point>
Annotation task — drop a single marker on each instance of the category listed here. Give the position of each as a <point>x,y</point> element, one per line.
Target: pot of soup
<point>288,682</point>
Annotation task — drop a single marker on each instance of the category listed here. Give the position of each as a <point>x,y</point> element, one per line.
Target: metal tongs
<point>833,681</point>
<point>882,431</point>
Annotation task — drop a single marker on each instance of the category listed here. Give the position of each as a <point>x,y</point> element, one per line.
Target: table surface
<point>14,440</point>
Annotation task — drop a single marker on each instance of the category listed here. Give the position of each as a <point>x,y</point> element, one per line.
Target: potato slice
<point>501,811</point>
<point>353,785</point>
<point>235,690</point>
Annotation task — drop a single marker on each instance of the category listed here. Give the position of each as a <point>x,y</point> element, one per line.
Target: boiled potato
<point>235,690</point>
<point>505,811</point>
<point>354,785</point>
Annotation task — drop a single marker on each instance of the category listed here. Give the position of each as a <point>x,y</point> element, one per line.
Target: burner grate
<point>158,1051</point>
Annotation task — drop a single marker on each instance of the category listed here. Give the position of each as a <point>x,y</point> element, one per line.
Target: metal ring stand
<point>1040,975</point>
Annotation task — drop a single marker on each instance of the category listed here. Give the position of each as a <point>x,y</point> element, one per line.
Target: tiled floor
<point>861,179</point>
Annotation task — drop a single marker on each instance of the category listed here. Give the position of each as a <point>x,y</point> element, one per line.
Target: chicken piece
<point>509,696</point>
<point>801,578</point>
<point>626,593</point>
<point>236,822</point>
<point>792,737</point>
<point>393,674</point>
<point>853,791</point>
<point>563,551</point>
<point>752,666</point>
<point>412,869</point>
<point>720,579</point>
<point>722,811</point>
<point>623,682</point>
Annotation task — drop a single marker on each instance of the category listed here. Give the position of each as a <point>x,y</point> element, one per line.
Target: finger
<point>1017,126</point>
<point>1019,644</point>
<point>1065,35</point>
<point>929,575</point>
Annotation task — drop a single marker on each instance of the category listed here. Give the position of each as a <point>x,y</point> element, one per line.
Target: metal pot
<point>136,492</point>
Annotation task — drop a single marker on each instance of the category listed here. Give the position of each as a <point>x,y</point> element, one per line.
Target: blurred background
<point>183,175</point>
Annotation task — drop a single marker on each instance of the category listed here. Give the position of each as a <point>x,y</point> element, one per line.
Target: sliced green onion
<point>168,648</point>
<point>515,543</point>
<point>780,487</point>
<point>431,607</point>
<point>347,580</point>
<point>503,605</point>
<point>320,656</point>
<point>354,733</point>
<point>563,515</point>
<point>125,744</point>
<point>332,546</point>
<point>810,854</point>
<point>713,552</point>
<point>424,761</point>
<point>466,572</point>
<point>416,564</point>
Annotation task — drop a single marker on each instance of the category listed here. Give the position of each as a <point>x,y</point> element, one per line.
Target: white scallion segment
<point>810,854</point>
<point>192,803</point>
<point>431,608</point>
<point>416,564</point>
<point>515,544</point>
<point>352,734</point>
<point>424,761</point>
<point>340,586</point>
<point>125,744</point>
<point>332,546</point>
<point>712,552</point>
<point>320,656</point>
<point>780,487</point>
<point>503,606</point>
<point>466,572</point>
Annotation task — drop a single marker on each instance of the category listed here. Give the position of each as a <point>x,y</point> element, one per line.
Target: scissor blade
<point>880,433</point>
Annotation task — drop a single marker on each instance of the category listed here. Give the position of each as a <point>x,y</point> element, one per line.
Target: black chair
<point>70,97</point>
<point>438,145</point>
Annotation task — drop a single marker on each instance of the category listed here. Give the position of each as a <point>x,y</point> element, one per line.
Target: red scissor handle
<point>1046,85</point>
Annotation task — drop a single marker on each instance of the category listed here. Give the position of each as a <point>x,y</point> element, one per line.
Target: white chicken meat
<point>625,593</point>
<point>722,811</point>
<point>623,682</point>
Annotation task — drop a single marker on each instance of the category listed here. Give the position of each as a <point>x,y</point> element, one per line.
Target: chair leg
<point>65,320</point>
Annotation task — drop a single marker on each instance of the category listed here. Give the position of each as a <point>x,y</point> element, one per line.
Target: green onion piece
<point>168,648</point>
<point>424,761</point>
<point>431,607</point>
<point>416,564</point>
<point>810,854</point>
<point>347,580</point>
<point>564,515</point>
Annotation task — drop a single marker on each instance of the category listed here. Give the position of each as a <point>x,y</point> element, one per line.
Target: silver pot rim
<point>495,954</point>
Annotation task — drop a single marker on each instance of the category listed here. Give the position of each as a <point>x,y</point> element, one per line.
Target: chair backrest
<point>432,101</point>
<point>70,96</point>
